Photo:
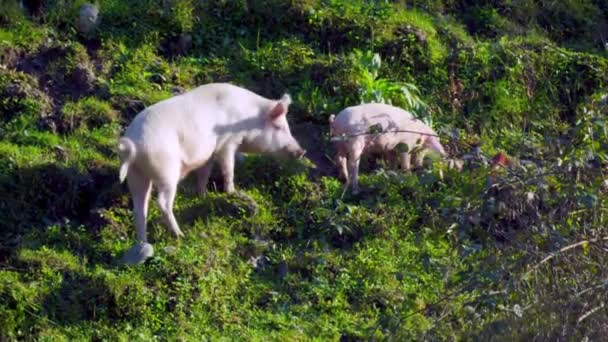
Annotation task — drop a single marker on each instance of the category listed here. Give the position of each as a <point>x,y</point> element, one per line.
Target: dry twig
<point>580,243</point>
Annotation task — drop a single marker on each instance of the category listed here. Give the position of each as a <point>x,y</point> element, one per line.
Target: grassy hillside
<point>433,254</point>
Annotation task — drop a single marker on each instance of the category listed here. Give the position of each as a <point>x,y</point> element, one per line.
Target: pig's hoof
<point>138,254</point>
<point>178,233</point>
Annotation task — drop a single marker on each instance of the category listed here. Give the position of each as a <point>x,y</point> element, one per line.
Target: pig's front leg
<point>226,161</point>
<point>404,160</point>
<point>419,161</point>
<point>341,161</point>
<point>203,174</point>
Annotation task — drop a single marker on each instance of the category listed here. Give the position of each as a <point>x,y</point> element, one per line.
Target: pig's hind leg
<point>140,187</point>
<point>167,188</point>
<point>203,174</point>
<point>341,161</point>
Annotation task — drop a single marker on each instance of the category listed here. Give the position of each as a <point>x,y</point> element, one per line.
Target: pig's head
<point>276,137</point>
<point>433,144</point>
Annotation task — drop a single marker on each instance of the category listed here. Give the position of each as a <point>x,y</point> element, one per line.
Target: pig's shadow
<point>235,206</point>
<point>47,195</point>
<point>239,126</point>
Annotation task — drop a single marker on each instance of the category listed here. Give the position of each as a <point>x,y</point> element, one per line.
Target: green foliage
<point>17,301</point>
<point>10,12</point>
<point>87,113</point>
<point>138,73</point>
<point>418,38</point>
<point>336,24</point>
<point>182,15</point>
<point>22,104</point>
<point>375,89</point>
<point>487,21</point>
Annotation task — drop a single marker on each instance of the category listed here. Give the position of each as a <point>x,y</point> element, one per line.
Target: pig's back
<point>358,119</point>
<point>233,102</point>
<point>162,117</point>
<point>197,111</point>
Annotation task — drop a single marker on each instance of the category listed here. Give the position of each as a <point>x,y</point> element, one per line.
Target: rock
<point>88,19</point>
<point>138,254</point>
<point>170,250</point>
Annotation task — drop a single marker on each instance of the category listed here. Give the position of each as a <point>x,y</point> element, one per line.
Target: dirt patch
<point>64,72</point>
<point>313,138</point>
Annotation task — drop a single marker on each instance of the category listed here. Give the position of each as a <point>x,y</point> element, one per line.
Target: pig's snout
<point>298,153</point>
<point>295,151</point>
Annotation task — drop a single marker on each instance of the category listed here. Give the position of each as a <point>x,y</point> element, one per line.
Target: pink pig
<point>190,132</point>
<point>355,123</point>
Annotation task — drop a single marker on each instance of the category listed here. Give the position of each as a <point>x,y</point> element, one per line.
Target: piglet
<point>189,132</point>
<point>378,128</point>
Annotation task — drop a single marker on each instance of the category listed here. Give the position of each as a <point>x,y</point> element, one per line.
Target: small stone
<point>88,19</point>
<point>170,250</point>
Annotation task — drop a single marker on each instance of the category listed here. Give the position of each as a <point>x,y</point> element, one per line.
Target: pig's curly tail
<point>126,151</point>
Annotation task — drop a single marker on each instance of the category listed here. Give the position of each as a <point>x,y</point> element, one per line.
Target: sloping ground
<point>513,253</point>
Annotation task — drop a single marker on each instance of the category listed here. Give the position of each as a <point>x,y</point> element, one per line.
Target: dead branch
<point>580,243</point>
<point>589,313</point>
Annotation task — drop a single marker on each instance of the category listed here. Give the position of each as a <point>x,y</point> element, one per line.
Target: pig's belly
<point>382,143</point>
<point>189,167</point>
<point>195,153</point>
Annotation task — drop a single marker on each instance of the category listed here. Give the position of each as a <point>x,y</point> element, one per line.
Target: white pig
<point>354,123</point>
<point>190,131</point>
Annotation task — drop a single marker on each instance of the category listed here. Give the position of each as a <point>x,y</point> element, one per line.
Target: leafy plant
<point>372,88</point>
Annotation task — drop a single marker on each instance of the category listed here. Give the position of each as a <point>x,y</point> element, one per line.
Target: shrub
<point>17,300</point>
<point>372,88</point>
<point>22,104</point>
<point>138,74</point>
<point>87,113</point>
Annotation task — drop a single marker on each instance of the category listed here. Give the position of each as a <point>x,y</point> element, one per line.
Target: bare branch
<point>580,243</point>
<point>589,313</point>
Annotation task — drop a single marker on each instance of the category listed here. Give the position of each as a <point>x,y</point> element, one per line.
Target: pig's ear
<point>286,100</point>
<point>280,108</point>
